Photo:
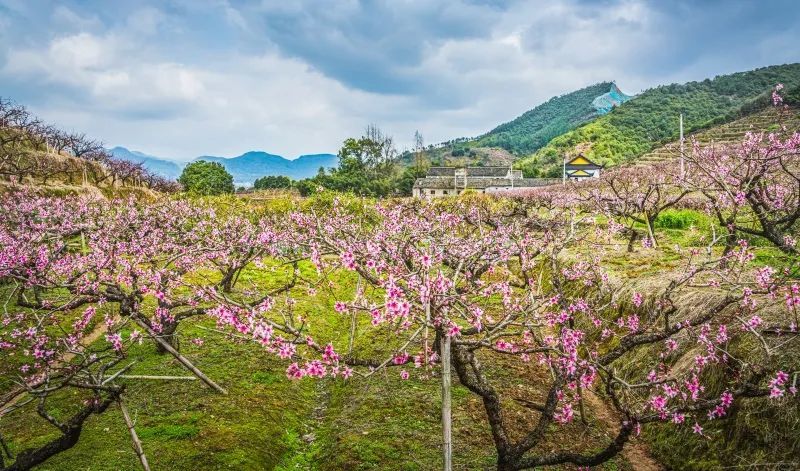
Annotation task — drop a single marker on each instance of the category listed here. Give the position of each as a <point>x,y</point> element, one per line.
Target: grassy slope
<point>650,119</point>
<point>78,176</point>
<point>756,433</point>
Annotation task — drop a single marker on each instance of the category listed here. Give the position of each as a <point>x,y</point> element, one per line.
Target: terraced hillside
<point>43,158</point>
<point>727,134</point>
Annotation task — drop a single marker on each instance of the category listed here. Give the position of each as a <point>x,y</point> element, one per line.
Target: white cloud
<point>80,53</point>
<point>106,69</point>
<point>266,102</point>
<point>218,79</point>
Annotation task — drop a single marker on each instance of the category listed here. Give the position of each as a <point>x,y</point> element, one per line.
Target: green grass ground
<point>269,422</point>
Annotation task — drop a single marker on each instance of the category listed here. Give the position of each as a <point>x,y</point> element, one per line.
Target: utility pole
<point>683,174</point>
<point>564,172</point>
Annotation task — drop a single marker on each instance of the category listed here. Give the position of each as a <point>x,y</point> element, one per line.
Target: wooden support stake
<point>118,373</point>
<point>447,419</point>
<point>185,361</point>
<point>137,444</point>
<point>170,378</point>
<point>650,229</point>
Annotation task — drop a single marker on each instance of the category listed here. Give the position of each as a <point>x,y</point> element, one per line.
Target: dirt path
<point>635,451</point>
<point>320,411</point>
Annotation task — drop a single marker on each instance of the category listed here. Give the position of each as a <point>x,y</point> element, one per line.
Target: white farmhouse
<point>451,181</point>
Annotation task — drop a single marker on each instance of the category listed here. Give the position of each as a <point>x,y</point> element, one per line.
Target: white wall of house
<point>439,192</point>
<point>495,189</point>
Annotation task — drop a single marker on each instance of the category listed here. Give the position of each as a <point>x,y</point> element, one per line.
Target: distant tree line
<point>273,182</point>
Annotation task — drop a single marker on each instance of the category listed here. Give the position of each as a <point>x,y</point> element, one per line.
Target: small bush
<point>678,219</point>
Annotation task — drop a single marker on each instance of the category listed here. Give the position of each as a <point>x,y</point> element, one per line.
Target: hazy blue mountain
<point>245,168</point>
<point>249,166</point>
<point>157,165</point>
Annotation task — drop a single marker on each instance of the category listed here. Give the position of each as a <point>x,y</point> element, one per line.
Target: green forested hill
<point>536,127</point>
<point>651,118</point>
<point>528,132</point>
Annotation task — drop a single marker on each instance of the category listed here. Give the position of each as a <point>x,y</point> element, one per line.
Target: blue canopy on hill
<point>608,101</point>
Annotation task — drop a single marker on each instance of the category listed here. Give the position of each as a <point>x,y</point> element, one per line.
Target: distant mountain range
<point>159,166</point>
<point>249,166</point>
<point>599,121</point>
<point>245,168</point>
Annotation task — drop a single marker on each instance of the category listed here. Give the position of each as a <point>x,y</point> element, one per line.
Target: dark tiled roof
<point>487,171</point>
<point>434,182</point>
<point>441,172</point>
<point>471,171</point>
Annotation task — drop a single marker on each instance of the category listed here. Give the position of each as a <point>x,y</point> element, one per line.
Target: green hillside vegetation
<point>535,128</point>
<point>651,119</point>
<point>792,96</point>
<point>522,135</point>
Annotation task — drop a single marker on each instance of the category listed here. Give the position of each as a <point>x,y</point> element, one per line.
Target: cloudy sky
<point>182,78</point>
